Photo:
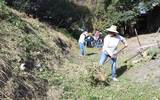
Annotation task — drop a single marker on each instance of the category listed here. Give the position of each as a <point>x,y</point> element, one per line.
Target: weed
<point>152,53</point>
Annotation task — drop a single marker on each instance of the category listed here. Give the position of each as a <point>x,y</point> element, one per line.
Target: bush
<point>152,53</point>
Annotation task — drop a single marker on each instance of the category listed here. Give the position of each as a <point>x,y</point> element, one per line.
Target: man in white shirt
<point>111,42</point>
<point>82,42</point>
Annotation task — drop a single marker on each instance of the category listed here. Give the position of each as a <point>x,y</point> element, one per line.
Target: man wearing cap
<point>111,41</point>
<point>82,42</point>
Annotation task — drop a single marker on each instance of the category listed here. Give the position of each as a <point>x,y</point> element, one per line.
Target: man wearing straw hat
<point>109,49</point>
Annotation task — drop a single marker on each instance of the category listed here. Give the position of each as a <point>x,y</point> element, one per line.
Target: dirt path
<point>148,71</point>
<point>144,40</point>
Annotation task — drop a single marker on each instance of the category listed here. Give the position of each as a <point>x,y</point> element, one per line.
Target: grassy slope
<point>82,86</point>
<point>27,40</point>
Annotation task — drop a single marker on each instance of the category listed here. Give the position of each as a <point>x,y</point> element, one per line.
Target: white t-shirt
<point>111,43</point>
<point>82,37</point>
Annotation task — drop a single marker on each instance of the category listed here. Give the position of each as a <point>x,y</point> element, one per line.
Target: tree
<point>86,14</point>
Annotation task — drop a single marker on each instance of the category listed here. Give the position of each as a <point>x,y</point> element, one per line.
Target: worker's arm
<point>123,40</point>
<point>125,43</point>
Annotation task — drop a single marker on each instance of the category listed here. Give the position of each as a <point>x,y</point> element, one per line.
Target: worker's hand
<point>125,45</point>
<point>113,56</point>
<point>115,53</point>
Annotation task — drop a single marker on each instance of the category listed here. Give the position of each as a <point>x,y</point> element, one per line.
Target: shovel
<point>100,75</point>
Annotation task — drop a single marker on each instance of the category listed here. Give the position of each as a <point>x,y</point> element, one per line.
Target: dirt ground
<point>148,71</point>
<point>144,40</point>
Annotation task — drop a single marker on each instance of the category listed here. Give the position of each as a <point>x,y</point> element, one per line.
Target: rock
<point>38,52</point>
<point>22,66</point>
<point>145,54</point>
<point>38,65</point>
<point>41,69</point>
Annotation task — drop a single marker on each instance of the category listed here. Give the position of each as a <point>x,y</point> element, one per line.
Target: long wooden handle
<point>137,37</point>
<point>117,53</point>
<point>121,50</point>
<point>139,53</point>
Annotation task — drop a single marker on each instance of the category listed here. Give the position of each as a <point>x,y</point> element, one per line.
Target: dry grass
<point>26,40</point>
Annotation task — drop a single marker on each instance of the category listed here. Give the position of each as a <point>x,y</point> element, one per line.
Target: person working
<point>82,42</point>
<point>111,41</point>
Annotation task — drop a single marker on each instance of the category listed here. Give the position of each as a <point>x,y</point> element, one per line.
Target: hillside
<point>37,45</point>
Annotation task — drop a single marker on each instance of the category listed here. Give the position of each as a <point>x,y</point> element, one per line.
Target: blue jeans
<point>104,57</point>
<point>81,46</point>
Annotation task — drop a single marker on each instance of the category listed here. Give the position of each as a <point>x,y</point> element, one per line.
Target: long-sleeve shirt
<point>82,37</point>
<point>111,43</point>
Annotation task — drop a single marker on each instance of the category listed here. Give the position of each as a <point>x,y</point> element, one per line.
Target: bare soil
<point>147,71</point>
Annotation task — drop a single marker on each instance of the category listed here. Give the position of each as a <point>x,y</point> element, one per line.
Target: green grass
<point>83,89</point>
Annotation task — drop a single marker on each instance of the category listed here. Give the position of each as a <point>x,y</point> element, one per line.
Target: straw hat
<point>113,28</point>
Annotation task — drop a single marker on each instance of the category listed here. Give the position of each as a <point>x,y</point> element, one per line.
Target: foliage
<point>77,15</point>
<point>63,13</point>
<point>114,12</point>
<point>152,53</point>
